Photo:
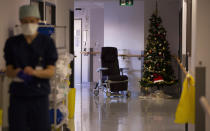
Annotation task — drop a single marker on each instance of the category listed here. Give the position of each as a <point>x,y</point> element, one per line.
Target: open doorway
<point>77,51</point>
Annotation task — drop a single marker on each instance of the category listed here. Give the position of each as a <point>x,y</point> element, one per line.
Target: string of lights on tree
<point>158,71</point>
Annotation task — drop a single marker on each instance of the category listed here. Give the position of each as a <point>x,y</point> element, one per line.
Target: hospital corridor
<point>99,113</point>
<point>104,65</point>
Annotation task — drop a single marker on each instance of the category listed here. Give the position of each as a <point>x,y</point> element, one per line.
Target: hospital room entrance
<point>77,51</point>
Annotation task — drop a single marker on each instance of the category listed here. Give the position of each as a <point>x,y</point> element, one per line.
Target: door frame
<point>71,45</point>
<point>80,47</point>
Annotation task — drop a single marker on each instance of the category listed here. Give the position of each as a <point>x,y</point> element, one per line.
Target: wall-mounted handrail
<point>205,104</point>
<point>130,55</point>
<point>123,55</point>
<point>53,26</point>
<point>181,65</point>
<point>89,53</point>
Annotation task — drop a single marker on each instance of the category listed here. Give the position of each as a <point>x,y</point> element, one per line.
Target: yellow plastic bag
<point>71,102</point>
<point>1,117</point>
<point>185,112</point>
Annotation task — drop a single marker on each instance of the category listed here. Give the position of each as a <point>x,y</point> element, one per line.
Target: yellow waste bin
<point>1,118</point>
<point>71,102</point>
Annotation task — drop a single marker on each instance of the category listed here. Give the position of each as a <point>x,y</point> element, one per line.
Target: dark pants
<point>29,114</point>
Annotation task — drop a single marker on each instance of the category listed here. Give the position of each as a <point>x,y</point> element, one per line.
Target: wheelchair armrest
<point>123,69</point>
<point>102,69</point>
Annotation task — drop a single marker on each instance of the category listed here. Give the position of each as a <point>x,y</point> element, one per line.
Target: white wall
<point>96,37</point>
<point>124,26</point>
<point>96,26</point>
<point>124,29</point>
<point>200,42</point>
<point>63,8</point>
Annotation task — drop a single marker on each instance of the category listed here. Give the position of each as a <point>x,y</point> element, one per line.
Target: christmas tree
<point>158,71</point>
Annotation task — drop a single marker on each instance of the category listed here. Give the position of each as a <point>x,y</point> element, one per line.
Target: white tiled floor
<point>122,114</point>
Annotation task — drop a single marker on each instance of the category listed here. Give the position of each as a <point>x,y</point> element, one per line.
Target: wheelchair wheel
<point>96,92</point>
<point>96,86</point>
<point>128,94</point>
<point>108,94</point>
<point>65,128</point>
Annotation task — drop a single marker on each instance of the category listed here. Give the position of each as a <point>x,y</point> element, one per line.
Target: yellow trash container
<point>0,119</point>
<point>71,102</point>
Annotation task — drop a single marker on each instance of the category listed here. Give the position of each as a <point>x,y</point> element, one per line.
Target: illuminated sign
<point>126,2</point>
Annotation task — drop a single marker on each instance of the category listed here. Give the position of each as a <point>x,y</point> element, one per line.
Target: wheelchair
<point>112,80</point>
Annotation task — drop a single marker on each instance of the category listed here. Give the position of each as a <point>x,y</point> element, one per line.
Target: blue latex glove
<point>25,77</point>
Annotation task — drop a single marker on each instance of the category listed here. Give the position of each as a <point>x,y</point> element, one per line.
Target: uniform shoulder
<point>14,39</point>
<point>47,40</point>
<point>46,37</point>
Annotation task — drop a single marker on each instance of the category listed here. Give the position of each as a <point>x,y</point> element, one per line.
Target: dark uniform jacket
<point>41,52</point>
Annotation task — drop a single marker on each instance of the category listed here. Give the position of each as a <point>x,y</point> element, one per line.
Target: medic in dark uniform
<point>30,59</point>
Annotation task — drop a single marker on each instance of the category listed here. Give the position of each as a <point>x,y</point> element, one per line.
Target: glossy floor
<point>122,114</point>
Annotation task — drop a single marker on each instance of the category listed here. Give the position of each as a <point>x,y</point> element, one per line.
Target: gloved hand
<point>25,77</point>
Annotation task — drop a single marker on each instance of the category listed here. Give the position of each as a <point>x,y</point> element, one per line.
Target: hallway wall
<point>62,18</point>
<point>200,42</point>
<point>96,38</point>
<point>124,26</point>
<point>124,29</point>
